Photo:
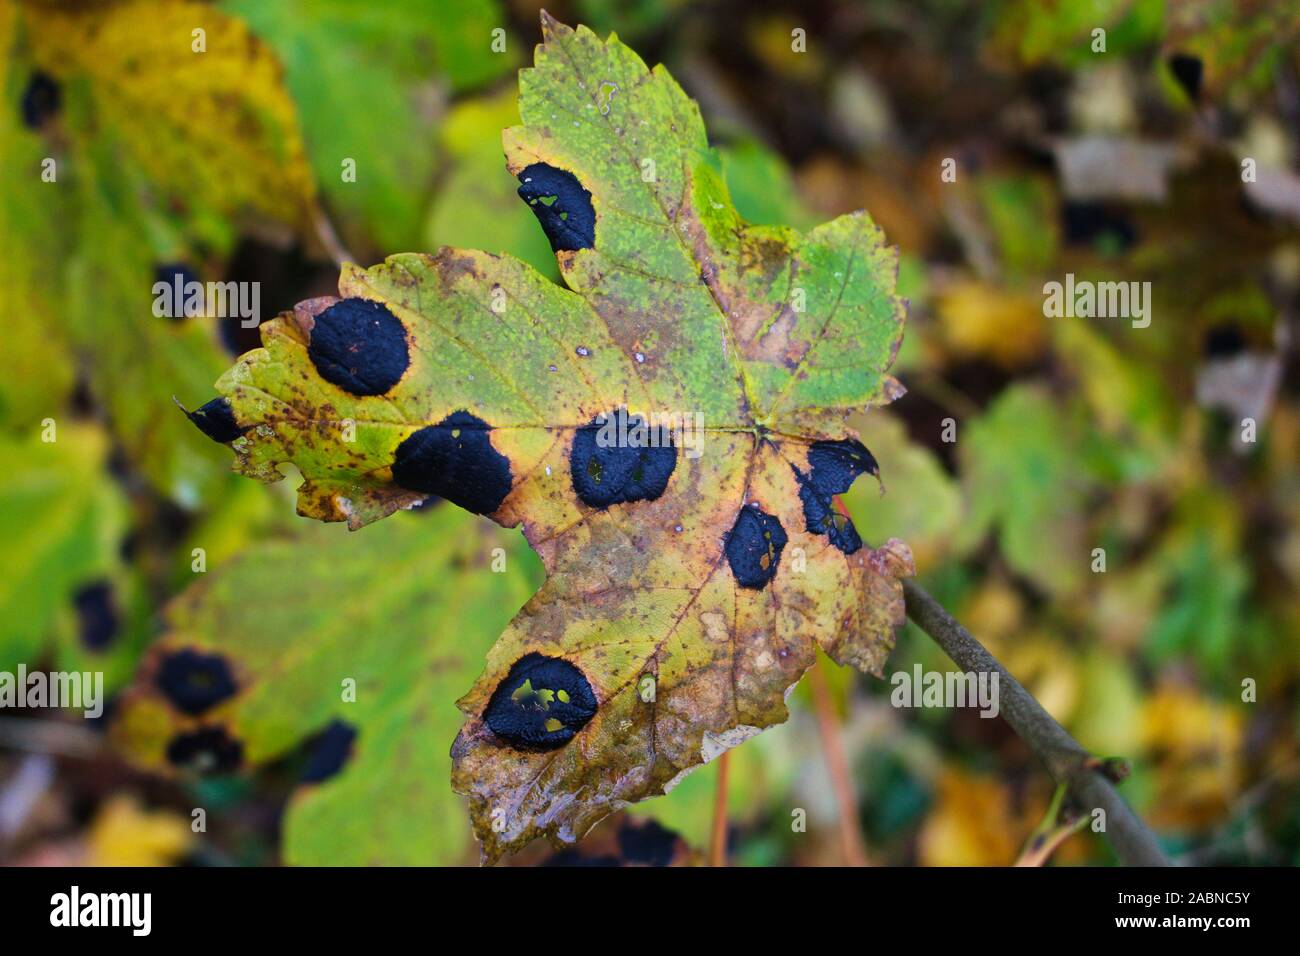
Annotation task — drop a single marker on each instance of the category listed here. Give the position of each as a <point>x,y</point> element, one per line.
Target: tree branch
<point>1066,759</point>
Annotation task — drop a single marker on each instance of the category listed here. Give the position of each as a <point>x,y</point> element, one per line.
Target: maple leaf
<point>356,648</point>
<point>63,586</point>
<point>668,428</point>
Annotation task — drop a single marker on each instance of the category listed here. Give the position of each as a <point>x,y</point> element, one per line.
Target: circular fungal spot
<point>1224,341</point>
<point>754,547</point>
<point>41,100</point>
<point>619,458</point>
<point>329,752</point>
<point>359,346</point>
<point>647,844</point>
<point>454,459</point>
<point>561,205</point>
<point>216,419</point>
<point>1188,70</point>
<point>540,704</point>
<point>175,276</point>
<point>834,466</point>
<point>98,620</point>
<point>208,750</point>
<point>195,682</point>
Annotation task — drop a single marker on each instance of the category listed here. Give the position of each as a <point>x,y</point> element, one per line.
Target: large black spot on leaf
<point>561,205</point>
<point>833,467</point>
<point>540,704</point>
<point>754,547</point>
<point>454,459</point>
<point>195,682</point>
<point>359,346</point>
<point>41,100</point>
<point>329,752</point>
<point>216,419</point>
<point>98,620</point>
<point>206,750</point>
<point>619,458</point>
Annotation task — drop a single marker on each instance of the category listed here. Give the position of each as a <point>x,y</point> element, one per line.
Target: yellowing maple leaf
<point>669,430</point>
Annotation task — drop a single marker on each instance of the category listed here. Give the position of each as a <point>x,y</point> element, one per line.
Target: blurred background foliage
<point>1023,444</point>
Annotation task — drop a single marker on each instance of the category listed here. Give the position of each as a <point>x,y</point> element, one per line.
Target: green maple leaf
<point>256,656</point>
<point>690,576</point>
<point>353,73</point>
<point>63,525</point>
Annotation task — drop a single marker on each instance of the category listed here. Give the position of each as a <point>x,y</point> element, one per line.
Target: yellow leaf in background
<point>1048,669</point>
<point>980,320</point>
<point>197,100</point>
<point>776,43</point>
<point>973,823</point>
<point>1194,744</point>
<point>125,834</point>
<point>995,610</point>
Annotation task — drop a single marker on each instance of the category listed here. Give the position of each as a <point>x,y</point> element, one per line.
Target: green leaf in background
<point>363,79</point>
<point>62,521</point>
<point>1020,213</point>
<point>1034,31</point>
<point>477,203</point>
<point>37,378</point>
<point>916,501</point>
<point>406,609</point>
<point>137,361</point>
<point>1022,476</point>
<point>762,188</point>
<point>759,773</point>
<point>1202,614</point>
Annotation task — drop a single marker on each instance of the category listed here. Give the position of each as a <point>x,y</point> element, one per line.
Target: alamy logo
<point>103,909</point>
<point>1102,300</point>
<point>73,689</point>
<point>181,298</point>
<point>656,430</point>
<point>922,688</point>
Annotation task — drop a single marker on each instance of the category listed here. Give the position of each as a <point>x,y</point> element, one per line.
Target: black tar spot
<point>649,844</point>
<point>1224,341</point>
<point>97,617</point>
<point>216,419</point>
<point>561,205</point>
<point>208,750</point>
<point>194,681</point>
<point>330,752</point>
<point>359,346</point>
<point>41,100</point>
<point>618,458</point>
<point>540,704</point>
<point>754,547</point>
<point>834,466</point>
<point>169,273</point>
<point>1188,70</point>
<point>454,459</point>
